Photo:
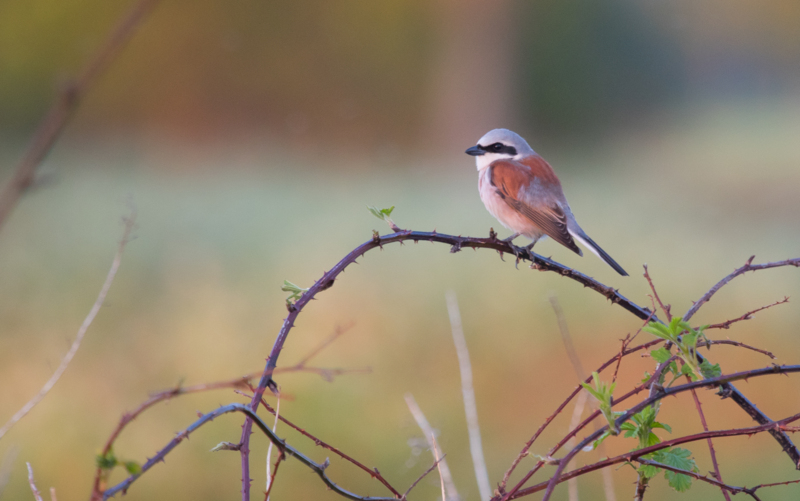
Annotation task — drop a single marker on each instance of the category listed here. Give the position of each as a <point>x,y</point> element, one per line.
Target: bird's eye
<point>497,147</point>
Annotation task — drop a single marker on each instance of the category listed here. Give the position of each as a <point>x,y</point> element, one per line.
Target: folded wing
<point>510,179</point>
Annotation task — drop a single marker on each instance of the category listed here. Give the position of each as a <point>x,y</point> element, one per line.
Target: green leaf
<point>296,291</point>
<point>662,426</point>
<point>107,462</point>
<point>652,439</point>
<point>649,471</point>
<point>710,371</point>
<point>675,324</point>
<point>686,370</point>
<point>600,440</point>
<point>658,330</point>
<point>690,339</point>
<point>678,458</point>
<point>673,368</point>
<point>382,214</point>
<point>661,355</point>
<point>133,468</point>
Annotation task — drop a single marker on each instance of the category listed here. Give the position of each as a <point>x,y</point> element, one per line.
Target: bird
<point>521,190</point>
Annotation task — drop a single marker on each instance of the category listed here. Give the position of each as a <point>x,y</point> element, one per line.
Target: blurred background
<point>251,135</point>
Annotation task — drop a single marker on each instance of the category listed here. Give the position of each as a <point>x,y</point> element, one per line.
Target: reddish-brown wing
<point>511,179</point>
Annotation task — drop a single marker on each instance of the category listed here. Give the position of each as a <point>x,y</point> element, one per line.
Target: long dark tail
<point>592,246</point>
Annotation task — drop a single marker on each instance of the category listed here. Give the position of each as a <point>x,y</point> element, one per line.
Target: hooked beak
<point>475,151</point>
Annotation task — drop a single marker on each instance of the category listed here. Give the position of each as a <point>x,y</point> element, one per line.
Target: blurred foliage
<point>359,74</point>
<point>586,65</point>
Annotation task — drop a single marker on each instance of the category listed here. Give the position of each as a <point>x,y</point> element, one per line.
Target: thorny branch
<point>281,444</point>
<point>662,393</point>
<point>241,383</point>
<point>748,266</point>
<point>374,473</point>
<point>457,243</point>
<point>634,455</point>
<point>746,316</point>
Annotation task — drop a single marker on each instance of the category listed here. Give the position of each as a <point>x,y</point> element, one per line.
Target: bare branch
<point>433,467</point>
<point>578,389</point>
<point>316,351</point>
<point>711,450</point>
<point>665,309</point>
<point>747,316</point>
<point>101,297</point>
<point>741,345</point>
<point>723,486</point>
<point>65,105</point>
<point>748,266</point>
<point>468,394</point>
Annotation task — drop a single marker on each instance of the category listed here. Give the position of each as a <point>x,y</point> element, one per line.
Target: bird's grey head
<point>499,144</point>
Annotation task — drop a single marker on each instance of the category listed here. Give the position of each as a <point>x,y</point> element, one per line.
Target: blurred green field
<point>219,228</point>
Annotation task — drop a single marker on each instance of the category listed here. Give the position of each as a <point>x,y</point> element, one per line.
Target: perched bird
<point>521,190</point>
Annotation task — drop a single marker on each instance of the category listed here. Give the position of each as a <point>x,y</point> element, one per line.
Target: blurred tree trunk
<point>472,78</point>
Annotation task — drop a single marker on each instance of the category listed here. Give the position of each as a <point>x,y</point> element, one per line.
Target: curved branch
<point>457,243</point>
<point>281,444</point>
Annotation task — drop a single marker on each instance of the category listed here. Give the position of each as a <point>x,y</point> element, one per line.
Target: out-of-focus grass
<point>198,299</point>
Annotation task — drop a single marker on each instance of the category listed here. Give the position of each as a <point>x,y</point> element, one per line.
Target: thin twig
<point>271,481</point>
<point>748,266</point>
<point>337,332</point>
<point>740,345</point>
<point>711,450</point>
<point>726,489</point>
<point>665,309</point>
<point>439,466</point>
<point>36,494</point>
<point>747,316</point>
<point>374,473</point>
<point>427,431</point>
<point>468,394</point>
<point>433,467</point>
<point>580,404</point>
<point>53,494</point>
<point>271,478</point>
<point>66,103</point>
<point>524,452</point>
<point>101,297</point>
